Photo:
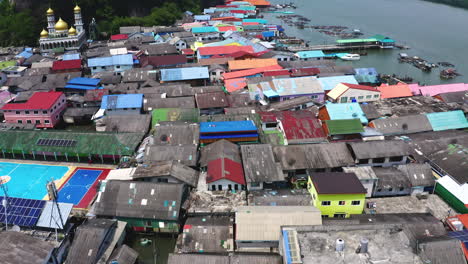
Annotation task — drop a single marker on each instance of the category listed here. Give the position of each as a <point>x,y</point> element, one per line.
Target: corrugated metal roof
<point>327,183</point>
<point>402,125</point>
<point>197,30</point>
<point>50,217</point>
<point>344,126</point>
<point>346,111</point>
<point>251,63</point>
<point>433,90</point>
<point>85,81</point>
<point>310,54</point>
<point>395,91</point>
<point>72,56</point>
<point>227,126</point>
<point>66,65</point>
<point>447,120</point>
<point>181,74</point>
<point>223,50</point>
<point>125,59</point>
<point>224,168</point>
<point>329,83</point>
<point>38,101</point>
<point>121,101</point>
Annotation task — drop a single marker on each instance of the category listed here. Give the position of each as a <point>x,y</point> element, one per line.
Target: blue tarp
<point>121,101</point>
<point>227,126</point>
<point>72,56</point>
<point>268,34</point>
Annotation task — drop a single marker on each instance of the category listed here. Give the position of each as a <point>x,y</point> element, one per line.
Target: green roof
<point>175,114</point>
<point>345,41</point>
<point>4,64</point>
<point>344,126</point>
<point>86,143</point>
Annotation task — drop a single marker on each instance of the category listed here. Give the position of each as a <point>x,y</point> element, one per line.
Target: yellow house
<point>337,194</point>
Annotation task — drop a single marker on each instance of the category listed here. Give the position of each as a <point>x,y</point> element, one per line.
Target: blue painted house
<point>117,63</point>
<point>342,111</point>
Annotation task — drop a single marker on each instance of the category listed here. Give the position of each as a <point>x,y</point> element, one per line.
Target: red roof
<point>119,37</point>
<point>222,50</point>
<point>238,11</point>
<point>464,219</point>
<point>297,125</point>
<point>188,52</point>
<point>224,168</point>
<point>227,28</point>
<point>361,87</point>
<point>66,65</point>
<point>245,73</point>
<point>276,73</point>
<point>250,23</point>
<point>38,101</point>
<point>233,85</point>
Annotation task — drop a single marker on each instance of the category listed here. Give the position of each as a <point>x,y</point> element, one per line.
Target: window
<point>363,161</point>
<point>20,121</point>
<point>378,160</point>
<point>344,99</point>
<point>379,190</point>
<point>271,125</point>
<point>254,184</point>
<point>28,121</point>
<point>402,189</point>
<point>46,121</point>
<point>63,100</point>
<point>36,112</point>
<point>376,96</point>
<point>18,112</point>
<point>314,96</point>
<point>396,159</point>
<point>94,68</point>
<point>313,196</point>
<point>230,187</point>
<point>360,97</point>
<point>26,112</point>
<point>57,117</point>
<point>390,189</point>
<point>355,202</point>
<point>220,187</point>
<point>118,66</point>
<point>368,96</point>
<point>342,203</point>
<point>38,121</point>
<point>326,203</point>
<point>324,216</point>
<point>352,99</point>
<point>148,224</point>
<point>213,187</point>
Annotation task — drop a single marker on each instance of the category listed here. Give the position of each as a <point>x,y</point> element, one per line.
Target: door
<point>220,187</point>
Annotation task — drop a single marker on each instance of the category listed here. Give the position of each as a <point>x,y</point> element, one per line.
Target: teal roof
<point>310,54</point>
<point>261,21</point>
<point>447,120</point>
<point>346,111</point>
<point>366,78</point>
<point>204,30</point>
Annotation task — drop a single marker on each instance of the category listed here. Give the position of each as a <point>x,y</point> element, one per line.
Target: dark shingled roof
<point>176,133</point>
<point>337,183</point>
<point>185,154</point>
<point>211,100</point>
<point>176,102</point>
<point>259,164</point>
<point>91,240</point>
<point>379,149</point>
<point>167,168</point>
<point>17,248</point>
<point>124,255</point>
<point>402,125</point>
<point>145,200</point>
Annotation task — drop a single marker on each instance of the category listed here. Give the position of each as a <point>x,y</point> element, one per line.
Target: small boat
<point>351,57</point>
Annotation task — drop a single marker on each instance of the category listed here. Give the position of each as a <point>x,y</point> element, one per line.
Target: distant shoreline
<point>454,3</point>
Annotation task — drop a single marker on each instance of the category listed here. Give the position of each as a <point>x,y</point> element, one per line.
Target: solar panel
<point>21,212</point>
<point>56,142</point>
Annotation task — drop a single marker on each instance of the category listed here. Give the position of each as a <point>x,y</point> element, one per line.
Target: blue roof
<point>180,74</point>
<point>310,54</point>
<point>73,56</point>
<point>227,126</point>
<point>85,81</point>
<point>204,30</point>
<point>447,120</point>
<point>202,17</point>
<point>329,83</point>
<point>124,59</point>
<point>268,34</point>
<point>261,21</point>
<point>120,101</point>
<point>365,71</point>
<point>25,54</point>
<point>346,111</point>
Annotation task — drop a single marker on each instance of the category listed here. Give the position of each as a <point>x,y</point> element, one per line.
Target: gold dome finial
<point>61,25</point>
<point>72,31</point>
<point>44,33</point>
<point>50,11</point>
<point>77,9</point>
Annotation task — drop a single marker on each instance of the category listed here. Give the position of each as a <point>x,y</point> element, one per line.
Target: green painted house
<point>144,206</point>
<point>337,194</point>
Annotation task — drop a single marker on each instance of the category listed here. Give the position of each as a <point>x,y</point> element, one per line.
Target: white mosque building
<point>58,35</point>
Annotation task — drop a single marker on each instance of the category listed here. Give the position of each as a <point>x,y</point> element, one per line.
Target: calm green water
<point>157,252</point>
<point>434,32</point>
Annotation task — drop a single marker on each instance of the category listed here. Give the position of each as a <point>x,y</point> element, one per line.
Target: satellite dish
<point>15,228</point>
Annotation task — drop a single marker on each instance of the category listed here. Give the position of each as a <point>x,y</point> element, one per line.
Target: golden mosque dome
<point>72,31</point>
<point>61,25</point>
<point>50,11</point>
<point>77,9</point>
<point>44,33</point>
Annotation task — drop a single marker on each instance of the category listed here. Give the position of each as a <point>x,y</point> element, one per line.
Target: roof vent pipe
<point>340,245</point>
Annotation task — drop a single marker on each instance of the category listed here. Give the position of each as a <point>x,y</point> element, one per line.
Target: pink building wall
<point>53,115</point>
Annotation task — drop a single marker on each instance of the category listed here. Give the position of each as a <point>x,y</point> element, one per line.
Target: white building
<point>58,35</point>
